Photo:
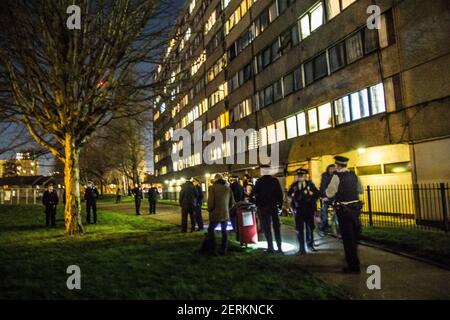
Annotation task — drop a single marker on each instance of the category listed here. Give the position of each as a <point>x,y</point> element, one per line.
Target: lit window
<point>304,25</point>
<point>273,11</point>
<point>342,110</point>
<point>271,134</point>
<point>291,126</point>
<point>263,137</point>
<point>225,3</point>
<point>360,104</point>
<point>191,6</point>
<point>281,131</point>
<point>301,124</point>
<point>346,3</point>
<point>377,99</point>
<point>316,17</point>
<point>312,120</point>
<point>333,8</point>
<point>325,116</point>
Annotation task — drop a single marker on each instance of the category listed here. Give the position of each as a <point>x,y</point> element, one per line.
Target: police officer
<point>269,199</point>
<point>345,187</point>
<point>91,196</point>
<point>304,195</point>
<point>138,195</point>
<point>198,207</point>
<point>153,194</point>
<point>50,201</point>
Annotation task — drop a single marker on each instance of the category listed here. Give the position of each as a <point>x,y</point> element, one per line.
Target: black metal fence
<point>407,206</point>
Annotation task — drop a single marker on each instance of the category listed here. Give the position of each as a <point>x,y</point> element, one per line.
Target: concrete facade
<point>410,61</point>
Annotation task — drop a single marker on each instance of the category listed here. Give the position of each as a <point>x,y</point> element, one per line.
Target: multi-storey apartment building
<point>311,76</point>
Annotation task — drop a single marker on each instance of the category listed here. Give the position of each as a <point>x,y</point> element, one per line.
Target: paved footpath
<point>401,277</point>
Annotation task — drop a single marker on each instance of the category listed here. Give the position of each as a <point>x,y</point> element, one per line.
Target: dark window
<point>337,57</point>
<point>232,52</point>
<point>259,62</point>
<point>261,99</point>
<point>370,40</point>
<point>288,84</point>
<point>320,66</point>
<point>266,58</point>
<point>354,47</point>
<point>298,79</point>
<point>309,72</point>
<point>275,50</point>
<point>268,95</point>
<point>277,91</point>
<point>286,40</point>
<point>263,21</point>
<point>295,35</point>
<point>247,72</point>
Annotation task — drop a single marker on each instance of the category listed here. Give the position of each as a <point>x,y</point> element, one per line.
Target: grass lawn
<point>131,257</point>
<point>434,245</point>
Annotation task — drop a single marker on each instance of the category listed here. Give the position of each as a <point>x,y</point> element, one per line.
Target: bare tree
<point>64,84</point>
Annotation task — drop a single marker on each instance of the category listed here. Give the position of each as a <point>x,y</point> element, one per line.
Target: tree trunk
<point>72,210</point>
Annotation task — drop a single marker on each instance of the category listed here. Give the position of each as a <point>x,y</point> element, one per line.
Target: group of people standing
<point>50,200</point>
<point>152,195</point>
<point>339,189</point>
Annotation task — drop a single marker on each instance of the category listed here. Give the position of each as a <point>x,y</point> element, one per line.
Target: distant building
<point>16,167</point>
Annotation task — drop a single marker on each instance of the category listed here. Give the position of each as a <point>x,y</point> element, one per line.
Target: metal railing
<point>17,196</point>
<point>407,206</point>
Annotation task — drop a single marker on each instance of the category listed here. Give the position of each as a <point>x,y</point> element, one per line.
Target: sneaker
<point>300,253</point>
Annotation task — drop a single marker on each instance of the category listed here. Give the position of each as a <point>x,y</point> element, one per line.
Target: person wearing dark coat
<point>138,196</point>
<point>91,196</point>
<point>188,201</point>
<point>269,199</point>
<point>304,195</point>
<point>198,207</point>
<point>237,189</point>
<point>50,200</point>
<point>152,195</point>
<point>118,195</point>
<point>345,187</point>
<point>238,195</point>
<point>325,203</point>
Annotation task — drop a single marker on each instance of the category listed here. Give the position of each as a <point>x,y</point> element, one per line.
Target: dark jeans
<point>233,220</point>
<point>50,215</point>
<point>198,217</point>
<point>212,238</point>
<point>184,217</point>
<point>152,207</point>
<point>269,216</point>
<point>304,221</point>
<point>350,227</point>
<point>324,216</point>
<point>89,206</point>
<point>118,198</point>
<point>137,204</point>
